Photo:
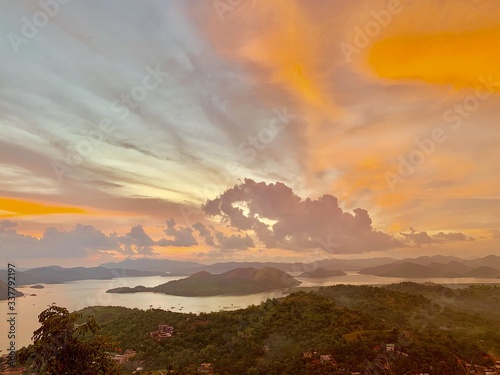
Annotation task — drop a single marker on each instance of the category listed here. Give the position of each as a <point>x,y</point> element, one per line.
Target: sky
<point>224,130</point>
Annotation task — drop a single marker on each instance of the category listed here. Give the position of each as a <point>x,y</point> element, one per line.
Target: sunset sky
<point>219,130</point>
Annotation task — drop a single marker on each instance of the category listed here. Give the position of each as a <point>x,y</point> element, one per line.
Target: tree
<point>63,347</point>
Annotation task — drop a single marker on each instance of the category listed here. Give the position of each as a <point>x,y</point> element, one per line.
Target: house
<point>122,358</point>
<point>162,332</point>
<point>390,347</point>
<point>129,353</point>
<point>165,330</point>
<point>12,370</point>
<point>325,358</point>
<point>205,368</point>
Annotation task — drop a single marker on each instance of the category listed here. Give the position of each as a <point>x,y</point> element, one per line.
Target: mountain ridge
<point>57,274</point>
<point>433,270</point>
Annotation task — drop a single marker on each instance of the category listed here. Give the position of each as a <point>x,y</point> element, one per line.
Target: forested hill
<point>237,281</point>
<point>432,328</point>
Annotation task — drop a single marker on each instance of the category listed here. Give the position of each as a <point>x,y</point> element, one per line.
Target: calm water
<point>79,294</point>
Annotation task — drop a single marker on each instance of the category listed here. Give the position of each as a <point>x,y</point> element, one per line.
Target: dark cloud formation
<point>234,241</point>
<point>418,238</point>
<point>495,233</point>
<point>137,239</point>
<point>423,238</point>
<point>221,241</point>
<point>182,236</point>
<point>451,236</point>
<point>204,232</point>
<point>82,241</point>
<point>297,223</point>
<point>8,225</point>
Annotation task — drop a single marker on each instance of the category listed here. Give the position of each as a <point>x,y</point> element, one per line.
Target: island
<point>238,281</point>
<point>433,270</point>
<point>320,273</point>
<point>37,286</point>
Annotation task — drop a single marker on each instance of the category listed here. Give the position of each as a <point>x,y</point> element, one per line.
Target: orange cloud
<point>354,128</point>
<point>290,53</point>
<point>10,207</point>
<point>457,59</point>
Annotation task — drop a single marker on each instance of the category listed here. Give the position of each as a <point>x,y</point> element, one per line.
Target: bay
<point>79,294</point>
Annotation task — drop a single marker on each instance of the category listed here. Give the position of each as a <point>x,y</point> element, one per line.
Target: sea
<point>77,295</point>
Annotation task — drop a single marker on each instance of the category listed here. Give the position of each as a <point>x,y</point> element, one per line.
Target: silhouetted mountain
<point>483,271</point>
<point>56,274</point>
<point>237,281</point>
<point>378,270</point>
<point>21,278</point>
<point>155,265</point>
<point>426,260</point>
<point>4,288</point>
<point>489,261</point>
<point>189,268</point>
<point>228,266</point>
<point>412,270</point>
<point>321,273</point>
<point>453,266</point>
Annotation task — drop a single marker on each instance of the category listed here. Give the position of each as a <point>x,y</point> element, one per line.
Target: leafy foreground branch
<point>63,347</point>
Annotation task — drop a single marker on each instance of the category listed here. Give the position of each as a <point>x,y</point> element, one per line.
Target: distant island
<point>37,286</point>
<point>437,266</point>
<point>57,275</point>
<point>319,273</point>
<point>237,281</point>
<point>176,268</point>
<point>433,270</point>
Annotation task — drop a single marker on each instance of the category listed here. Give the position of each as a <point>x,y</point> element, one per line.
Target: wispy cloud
<point>74,103</point>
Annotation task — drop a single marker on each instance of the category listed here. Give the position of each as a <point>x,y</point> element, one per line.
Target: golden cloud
<point>449,58</point>
<point>16,207</point>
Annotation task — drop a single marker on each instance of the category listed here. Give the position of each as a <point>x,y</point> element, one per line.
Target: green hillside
<point>431,327</point>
